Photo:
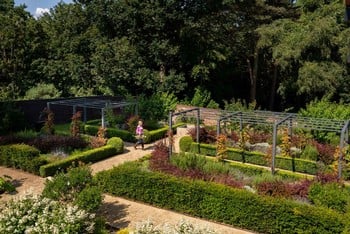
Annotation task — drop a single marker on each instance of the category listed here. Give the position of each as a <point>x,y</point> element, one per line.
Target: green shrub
<point>93,155</point>
<point>75,187</point>
<point>185,143</point>
<point>6,185</point>
<point>65,187</point>
<point>21,156</point>
<point>117,143</point>
<point>210,201</point>
<point>188,161</point>
<point>89,199</point>
<point>330,195</point>
<point>26,134</point>
<point>310,152</point>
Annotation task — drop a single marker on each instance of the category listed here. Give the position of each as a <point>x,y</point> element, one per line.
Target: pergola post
<point>103,122</point>
<point>170,129</point>
<point>274,144</point>
<point>341,146</point>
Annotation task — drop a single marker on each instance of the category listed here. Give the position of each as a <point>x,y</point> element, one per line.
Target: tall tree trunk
<point>253,73</point>
<point>273,88</point>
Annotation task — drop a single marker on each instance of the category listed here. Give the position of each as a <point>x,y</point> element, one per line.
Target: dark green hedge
<point>220,203</point>
<point>93,155</point>
<point>21,156</point>
<point>257,158</point>
<point>160,133</point>
<point>151,136</point>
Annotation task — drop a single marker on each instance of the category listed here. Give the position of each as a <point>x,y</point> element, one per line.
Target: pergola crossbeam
<point>91,103</point>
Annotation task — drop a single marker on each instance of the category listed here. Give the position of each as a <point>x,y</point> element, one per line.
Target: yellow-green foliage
<point>285,144</point>
<point>117,143</point>
<point>123,231</point>
<point>221,147</point>
<point>185,143</point>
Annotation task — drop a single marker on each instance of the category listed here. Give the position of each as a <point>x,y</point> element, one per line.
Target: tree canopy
<point>277,53</point>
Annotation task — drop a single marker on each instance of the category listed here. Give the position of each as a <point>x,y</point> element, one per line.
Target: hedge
<point>117,143</point>
<point>21,156</point>
<point>239,208</point>
<point>257,158</point>
<point>151,136</point>
<point>160,133</point>
<point>93,155</point>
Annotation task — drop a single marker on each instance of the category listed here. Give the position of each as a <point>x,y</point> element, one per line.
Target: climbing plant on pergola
<point>290,120</point>
<point>86,103</point>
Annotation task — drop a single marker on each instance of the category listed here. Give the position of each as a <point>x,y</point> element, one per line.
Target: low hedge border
<point>151,136</point>
<point>160,133</point>
<point>89,156</point>
<point>257,158</point>
<point>220,203</point>
<point>21,156</point>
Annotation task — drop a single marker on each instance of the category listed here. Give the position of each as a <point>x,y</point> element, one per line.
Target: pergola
<point>92,103</point>
<point>290,120</point>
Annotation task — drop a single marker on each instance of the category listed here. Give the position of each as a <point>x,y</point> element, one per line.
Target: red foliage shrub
<point>227,180</point>
<point>274,188</point>
<point>205,136</point>
<point>12,139</point>
<point>259,137</point>
<point>325,178</point>
<point>325,152</point>
<point>234,136</point>
<point>159,160</point>
<point>300,189</point>
<point>51,142</point>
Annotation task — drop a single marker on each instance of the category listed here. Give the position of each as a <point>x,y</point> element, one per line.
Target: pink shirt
<point>139,130</point>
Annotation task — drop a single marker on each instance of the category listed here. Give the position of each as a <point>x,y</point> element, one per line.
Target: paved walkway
<point>120,212</point>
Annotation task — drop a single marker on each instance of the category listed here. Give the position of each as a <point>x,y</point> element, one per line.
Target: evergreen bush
<point>185,143</point>
<point>117,143</point>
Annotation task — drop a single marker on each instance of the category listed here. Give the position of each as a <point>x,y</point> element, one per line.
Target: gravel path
<point>119,212</point>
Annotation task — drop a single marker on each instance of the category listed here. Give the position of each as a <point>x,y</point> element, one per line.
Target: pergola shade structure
<point>86,103</point>
<point>292,120</point>
<point>289,120</point>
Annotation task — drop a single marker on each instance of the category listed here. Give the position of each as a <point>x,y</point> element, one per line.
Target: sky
<point>38,7</point>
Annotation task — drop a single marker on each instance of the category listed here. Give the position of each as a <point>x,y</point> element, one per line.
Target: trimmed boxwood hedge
<point>93,155</point>
<point>257,158</point>
<point>21,156</point>
<point>220,203</point>
<point>160,133</point>
<point>151,136</point>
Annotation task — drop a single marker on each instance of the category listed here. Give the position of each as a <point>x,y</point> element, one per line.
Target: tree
<point>309,52</point>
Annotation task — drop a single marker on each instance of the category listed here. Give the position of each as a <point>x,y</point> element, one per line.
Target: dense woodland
<point>280,54</point>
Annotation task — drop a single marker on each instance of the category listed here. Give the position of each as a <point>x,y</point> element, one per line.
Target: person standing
<point>139,135</point>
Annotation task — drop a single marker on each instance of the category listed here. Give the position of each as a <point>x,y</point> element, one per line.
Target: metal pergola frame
<point>87,103</point>
<point>290,120</point>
